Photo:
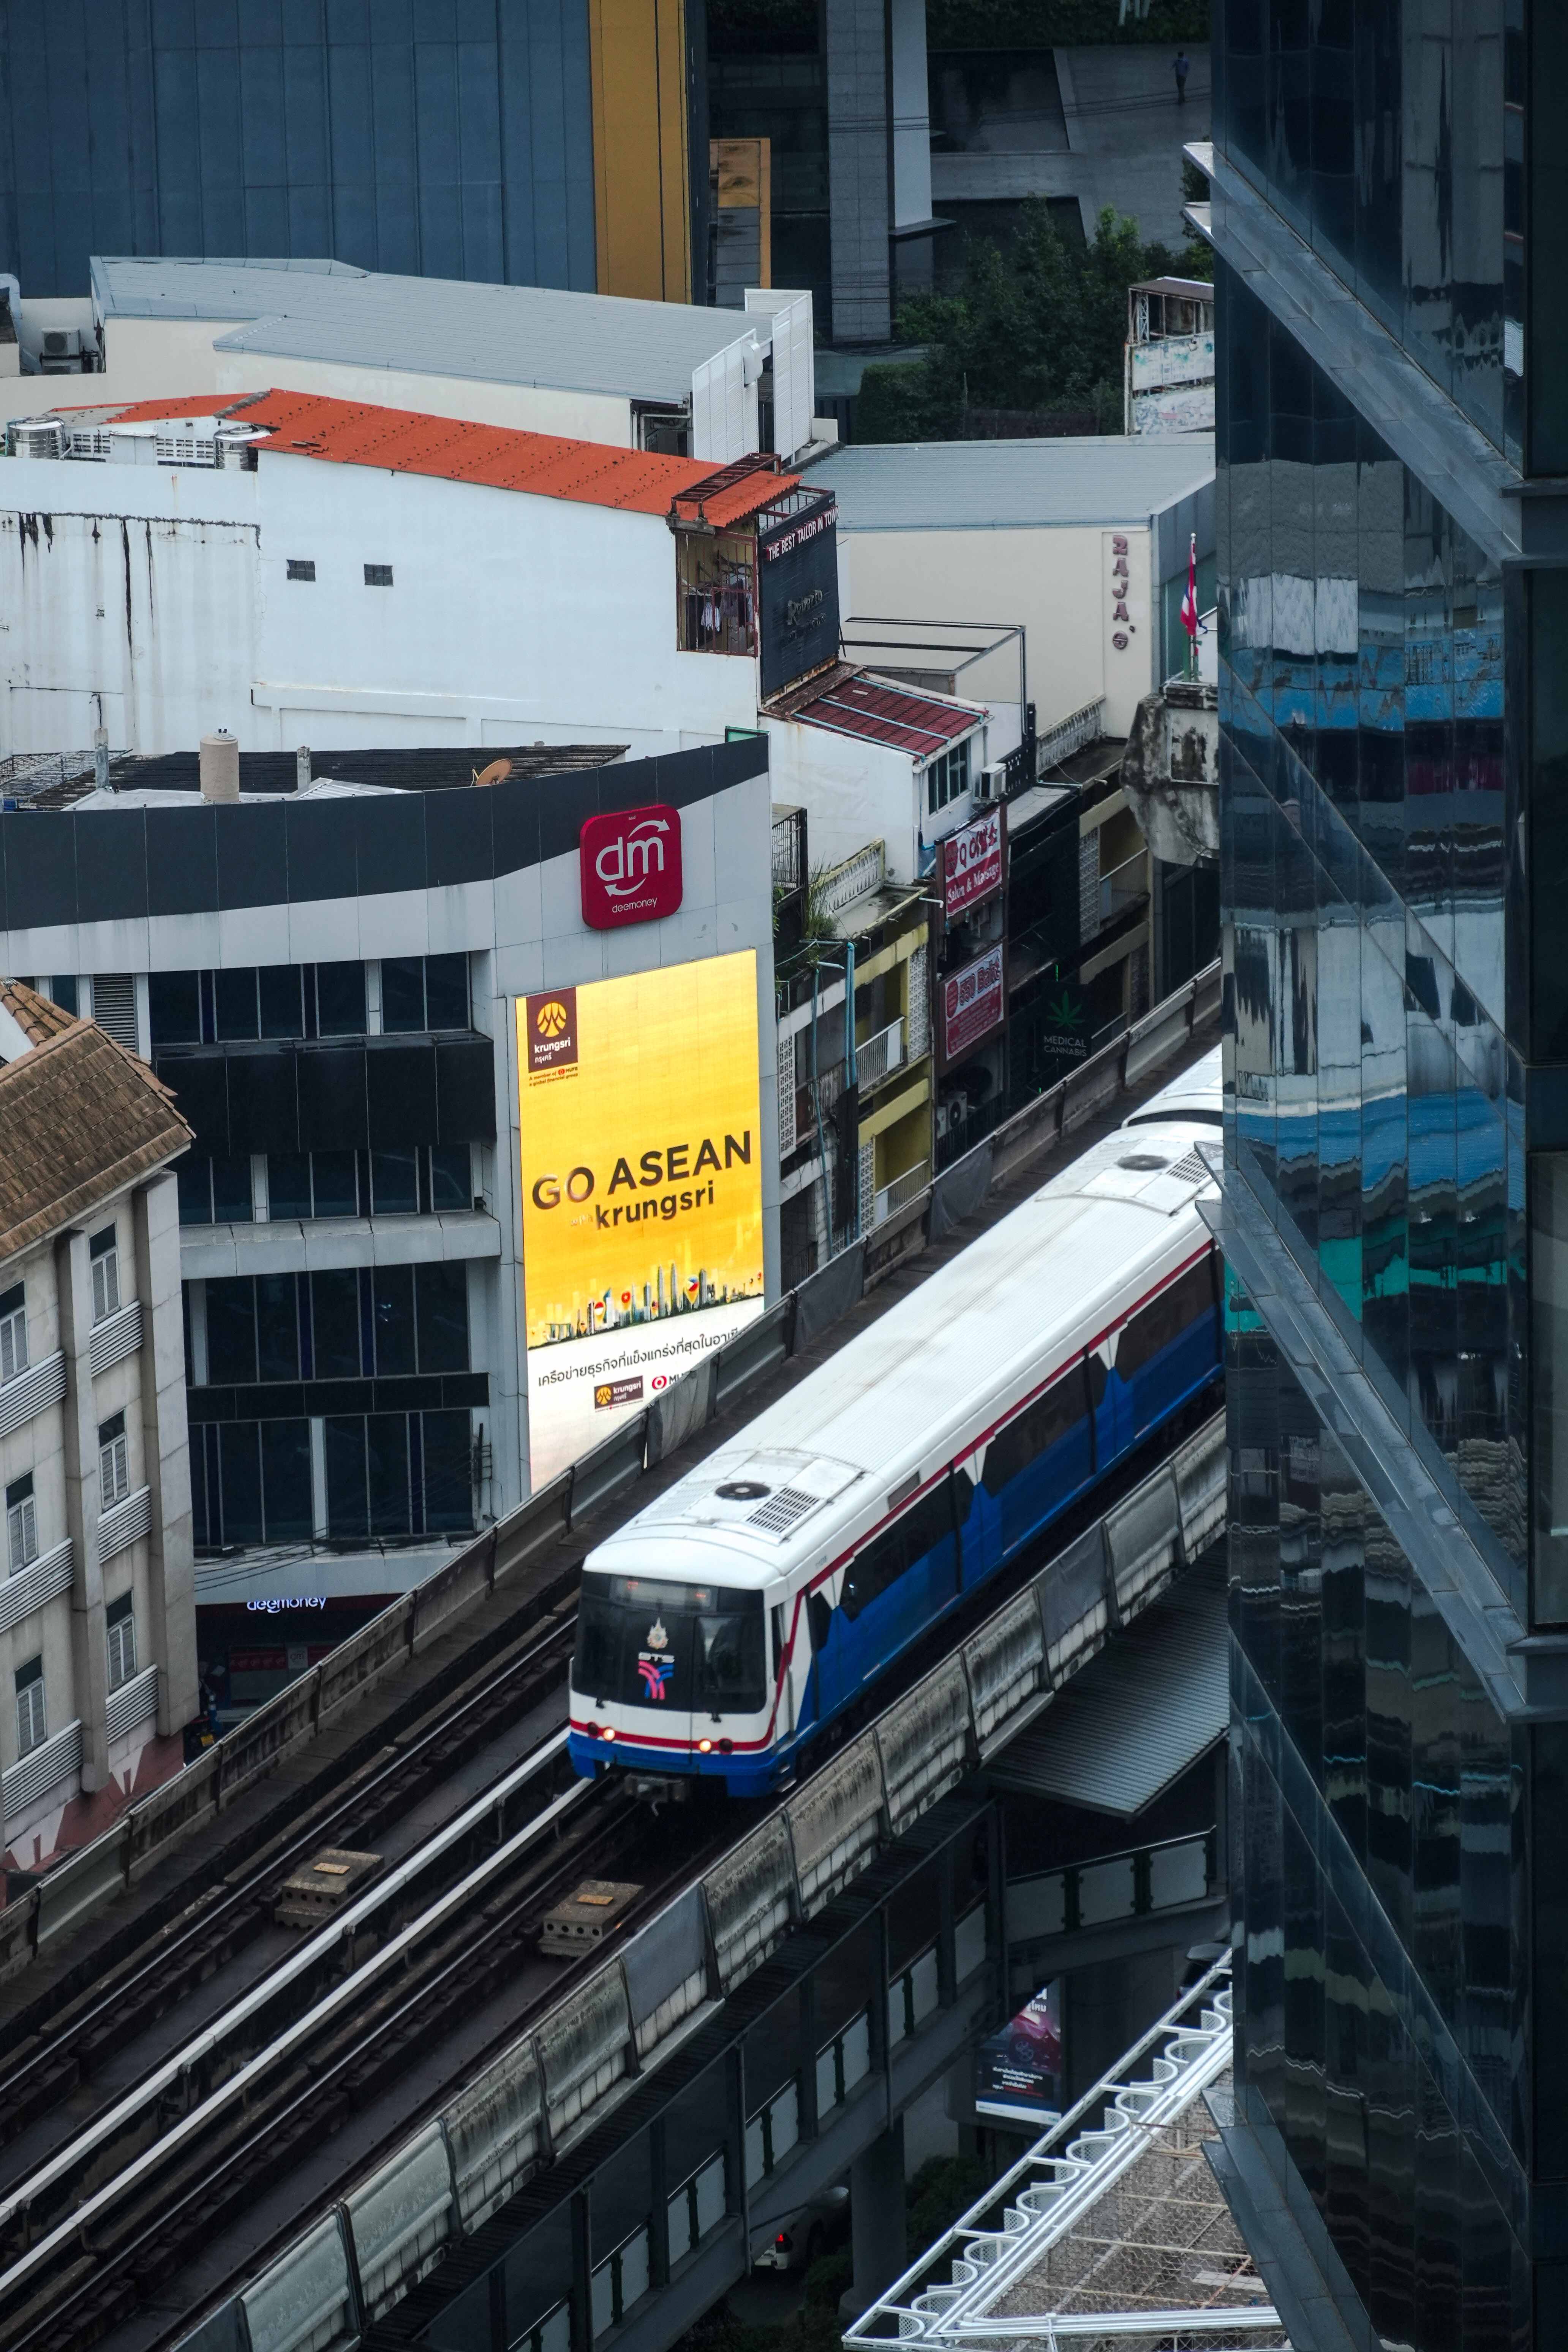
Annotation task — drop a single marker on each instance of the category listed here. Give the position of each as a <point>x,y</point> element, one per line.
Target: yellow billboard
<point>640,1156</point>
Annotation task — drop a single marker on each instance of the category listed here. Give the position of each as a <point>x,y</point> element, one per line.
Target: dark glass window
<point>394,1294</point>
<point>402,993</point>
<point>174,1008</point>
<point>449,1472</point>
<point>235,995</point>
<point>1063,1408</point>
<point>340,1000</point>
<point>232,1200</point>
<point>1167,1316</point>
<point>335,1183</point>
<point>393,1184</point>
<point>285,1480</point>
<point>451,1177</point>
<point>282,1010</point>
<point>195,1177</point>
<point>277,1326</point>
<point>446,991</point>
<point>387,1437</point>
<point>1548,817</point>
<point>334,1322</point>
<point>63,990</point>
<point>730,1660</point>
<point>231,1331</point>
<point>239,1453</point>
<point>301,567</point>
<point>442,1295</point>
<point>347,1508</point>
<point>923,1529</point>
<point>378,575</point>
<point>289,1184</point>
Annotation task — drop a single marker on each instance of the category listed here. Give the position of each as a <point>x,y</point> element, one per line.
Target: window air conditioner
<point>991,784</point>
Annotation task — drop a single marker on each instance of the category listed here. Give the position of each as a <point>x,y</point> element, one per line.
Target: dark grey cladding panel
<point>466,1088</point>
<point>401,1086</point>
<point>65,866</point>
<point>199,1084</point>
<point>181,860</point>
<point>389,831</point>
<point>111,862</point>
<point>332,1112</point>
<point>40,871</point>
<point>252,856</point>
<point>263,1113</point>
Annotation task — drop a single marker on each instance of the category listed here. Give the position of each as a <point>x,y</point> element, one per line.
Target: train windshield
<point>693,1648</point>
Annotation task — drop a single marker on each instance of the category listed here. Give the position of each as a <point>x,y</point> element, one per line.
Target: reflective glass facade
<point>1394,780</point>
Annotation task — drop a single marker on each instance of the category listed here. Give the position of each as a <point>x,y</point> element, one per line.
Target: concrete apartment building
<point>98,1657</point>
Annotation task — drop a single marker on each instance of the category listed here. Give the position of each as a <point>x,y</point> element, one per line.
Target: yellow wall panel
<point>641,185</point>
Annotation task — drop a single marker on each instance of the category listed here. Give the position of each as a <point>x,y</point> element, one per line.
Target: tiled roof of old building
<point>37,1017</point>
<point>80,1120</point>
<point>501,457</point>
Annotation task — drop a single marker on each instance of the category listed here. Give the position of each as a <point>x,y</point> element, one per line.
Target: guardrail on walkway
<point>145,1832</point>
<point>354,2264</point>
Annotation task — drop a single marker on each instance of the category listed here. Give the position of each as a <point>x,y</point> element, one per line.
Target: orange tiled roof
<point>406,441</point>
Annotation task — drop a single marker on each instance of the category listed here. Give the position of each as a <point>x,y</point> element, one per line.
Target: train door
<point>1038,1462</point>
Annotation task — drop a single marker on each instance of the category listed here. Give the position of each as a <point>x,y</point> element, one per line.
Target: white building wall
<point>155,602</point>
<point>1054,580</point>
<point>853,791</point>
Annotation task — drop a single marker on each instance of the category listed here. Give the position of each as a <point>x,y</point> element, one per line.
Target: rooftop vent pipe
<point>219,767</point>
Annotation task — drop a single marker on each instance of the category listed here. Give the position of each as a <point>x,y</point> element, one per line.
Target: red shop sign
<point>630,867</point>
<point>972,1003</point>
<point>971,863</point>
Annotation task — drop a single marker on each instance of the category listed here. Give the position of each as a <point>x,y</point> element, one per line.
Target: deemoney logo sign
<point>630,867</point>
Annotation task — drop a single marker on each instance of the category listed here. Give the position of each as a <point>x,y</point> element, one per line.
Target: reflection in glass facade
<point>1393,778</point>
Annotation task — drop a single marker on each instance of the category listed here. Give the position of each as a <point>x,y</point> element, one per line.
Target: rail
<point>506,2125</point>
<point>117,1860</point>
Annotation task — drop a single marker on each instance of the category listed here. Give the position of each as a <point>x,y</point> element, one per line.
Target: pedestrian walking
<point>1182,62</point>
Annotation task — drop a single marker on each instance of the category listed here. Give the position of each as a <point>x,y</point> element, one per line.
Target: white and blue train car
<point>728,1623</point>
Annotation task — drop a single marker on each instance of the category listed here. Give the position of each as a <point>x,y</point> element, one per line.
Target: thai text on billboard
<point>972,1003</point>
<point>971,863</point>
<point>640,1152</point>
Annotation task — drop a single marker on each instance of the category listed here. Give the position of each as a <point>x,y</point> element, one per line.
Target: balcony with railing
<point>1126,885</point>
<point>879,1056</point>
<point>899,1193</point>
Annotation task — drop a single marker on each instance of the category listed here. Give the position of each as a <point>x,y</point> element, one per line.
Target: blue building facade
<point>1392,435</point>
<point>436,138</point>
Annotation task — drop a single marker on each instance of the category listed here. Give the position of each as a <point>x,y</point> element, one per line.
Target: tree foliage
<point>1034,332</point>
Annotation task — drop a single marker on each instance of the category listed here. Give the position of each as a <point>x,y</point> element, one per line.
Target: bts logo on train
<point>630,864</point>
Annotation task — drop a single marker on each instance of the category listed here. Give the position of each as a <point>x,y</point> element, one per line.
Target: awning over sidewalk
<point>1136,1715</point>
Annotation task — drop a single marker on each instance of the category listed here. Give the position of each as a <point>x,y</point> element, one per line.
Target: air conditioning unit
<point>59,351</point>
<point>991,784</point>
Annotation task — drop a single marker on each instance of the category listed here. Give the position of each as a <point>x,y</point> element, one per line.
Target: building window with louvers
<point>12,1333</point>
<point>114,1465</point>
<point>32,1716</point>
<point>105,1255</point>
<point>21,1524</point>
<point>119,1624</point>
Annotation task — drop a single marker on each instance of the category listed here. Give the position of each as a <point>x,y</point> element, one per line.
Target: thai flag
<point>1190,601</point>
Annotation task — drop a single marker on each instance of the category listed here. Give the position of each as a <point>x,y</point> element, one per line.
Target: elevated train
<point>728,1625</point>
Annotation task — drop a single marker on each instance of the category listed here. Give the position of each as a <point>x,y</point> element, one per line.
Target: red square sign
<point>631,867</point>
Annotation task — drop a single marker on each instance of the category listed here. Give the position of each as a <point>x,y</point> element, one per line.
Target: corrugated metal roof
<point>1139,1714</point>
<point>915,723</point>
<point>1013,485</point>
<point>436,326</point>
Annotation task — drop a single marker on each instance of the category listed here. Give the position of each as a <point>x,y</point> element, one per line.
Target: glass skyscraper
<point>1390,214</point>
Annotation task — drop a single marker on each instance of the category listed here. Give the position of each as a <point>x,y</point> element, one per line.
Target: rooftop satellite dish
<point>496,773</point>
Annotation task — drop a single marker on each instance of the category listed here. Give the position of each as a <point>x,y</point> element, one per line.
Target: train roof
<point>900,1396</point>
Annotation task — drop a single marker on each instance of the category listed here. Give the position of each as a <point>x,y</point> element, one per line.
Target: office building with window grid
<point>1392,552</point>
<point>98,1647</point>
<point>326,981</point>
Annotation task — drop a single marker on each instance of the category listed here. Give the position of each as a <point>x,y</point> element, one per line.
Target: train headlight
<point>704,1747</point>
<point>726,1748</point>
<point>609,1733</point>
